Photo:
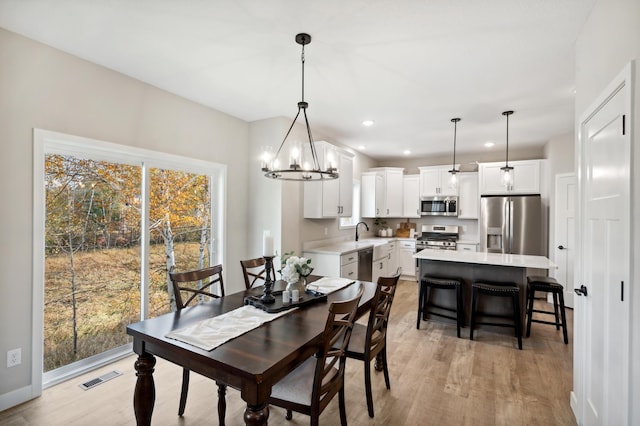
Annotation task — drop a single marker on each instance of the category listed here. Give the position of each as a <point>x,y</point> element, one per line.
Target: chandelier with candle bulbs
<point>302,163</point>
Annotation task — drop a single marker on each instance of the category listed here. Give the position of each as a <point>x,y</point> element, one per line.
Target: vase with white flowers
<point>295,271</point>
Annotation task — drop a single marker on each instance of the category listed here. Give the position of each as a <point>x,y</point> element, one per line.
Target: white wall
<point>45,88</point>
<point>609,40</point>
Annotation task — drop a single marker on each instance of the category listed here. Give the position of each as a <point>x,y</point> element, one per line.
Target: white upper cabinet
<point>330,198</point>
<point>468,199</point>
<point>436,181</point>
<point>411,196</point>
<point>382,192</point>
<point>525,178</point>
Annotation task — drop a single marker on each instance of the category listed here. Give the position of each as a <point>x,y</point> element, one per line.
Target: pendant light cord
<point>455,131</point>
<point>302,60</point>
<point>453,170</point>
<point>506,160</point>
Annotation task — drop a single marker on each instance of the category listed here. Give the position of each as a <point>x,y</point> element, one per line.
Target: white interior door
<point>604,261</point>
<point>564,245</point>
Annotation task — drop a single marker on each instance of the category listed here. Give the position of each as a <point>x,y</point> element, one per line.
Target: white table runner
<point>211,333</point>
<point>328,285</point>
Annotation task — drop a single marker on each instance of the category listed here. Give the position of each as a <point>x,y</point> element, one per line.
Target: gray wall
<point>559,152</point>
<point>609,40</point>
<point>44,88</point>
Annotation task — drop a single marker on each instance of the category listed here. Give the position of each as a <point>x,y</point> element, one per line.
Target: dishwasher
<point>365,264</point>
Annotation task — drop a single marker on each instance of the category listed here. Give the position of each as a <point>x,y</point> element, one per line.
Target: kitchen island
<point>475,266</point>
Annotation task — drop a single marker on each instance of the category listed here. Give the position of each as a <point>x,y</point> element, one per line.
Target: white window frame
<point>48,142</point>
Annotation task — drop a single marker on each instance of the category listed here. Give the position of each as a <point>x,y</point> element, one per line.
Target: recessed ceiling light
<point>361,147</point>
<point>406,152</point>
<point>367,123</point>
<point>489,144</point>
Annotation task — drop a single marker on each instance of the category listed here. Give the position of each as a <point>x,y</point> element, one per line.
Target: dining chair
<point>370,341</point>
<point>253,271</point>
<point>196,285</point>
<point>309,388</point>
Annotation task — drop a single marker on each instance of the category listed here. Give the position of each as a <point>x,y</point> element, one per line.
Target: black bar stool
<point>547,285</point>
<point>428,282</point>
<point>509,290</point>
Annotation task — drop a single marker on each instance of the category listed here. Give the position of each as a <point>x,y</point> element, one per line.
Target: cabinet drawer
<point>466,247</point>
<point>350,270</point>
<point>408,245</point>
<point>345,259</point>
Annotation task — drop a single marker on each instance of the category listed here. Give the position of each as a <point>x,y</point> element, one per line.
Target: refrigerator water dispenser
<point>494,239</point>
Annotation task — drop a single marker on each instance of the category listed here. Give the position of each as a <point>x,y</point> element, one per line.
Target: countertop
<point>345,247</point>
<point>514,260</point>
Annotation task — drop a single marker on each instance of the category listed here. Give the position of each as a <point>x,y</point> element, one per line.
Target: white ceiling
<point>409,65</point>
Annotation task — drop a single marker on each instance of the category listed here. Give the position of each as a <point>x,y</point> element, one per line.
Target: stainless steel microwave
<point>439,206</point>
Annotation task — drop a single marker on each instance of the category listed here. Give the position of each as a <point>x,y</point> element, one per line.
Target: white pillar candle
<point>267,244</point>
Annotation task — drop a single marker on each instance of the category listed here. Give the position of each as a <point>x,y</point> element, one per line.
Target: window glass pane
<point>180,231</point>
<point>92,257</point>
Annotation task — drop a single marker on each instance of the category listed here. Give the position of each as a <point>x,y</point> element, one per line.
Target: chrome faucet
<point>365,225</point>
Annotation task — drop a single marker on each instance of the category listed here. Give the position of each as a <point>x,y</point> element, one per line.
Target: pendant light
<point>507,170</point>
<point>303,164</point>
<point>453,182</point>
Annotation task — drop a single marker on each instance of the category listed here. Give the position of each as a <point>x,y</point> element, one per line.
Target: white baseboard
<point>18,396</point>
<point>573,402</point>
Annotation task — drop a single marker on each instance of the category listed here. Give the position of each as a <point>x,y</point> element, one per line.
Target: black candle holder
<point>267,297</point>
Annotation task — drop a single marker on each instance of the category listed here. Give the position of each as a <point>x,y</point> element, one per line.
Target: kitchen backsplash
<point>468,228</point>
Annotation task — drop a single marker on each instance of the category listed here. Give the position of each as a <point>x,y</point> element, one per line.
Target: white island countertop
<point>513,260</point>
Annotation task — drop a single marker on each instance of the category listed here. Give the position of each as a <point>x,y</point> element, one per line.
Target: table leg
<point>145,393</point>
<point>256,415</point>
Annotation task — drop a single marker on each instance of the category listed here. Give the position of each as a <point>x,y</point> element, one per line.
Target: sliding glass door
<point>114,226</point>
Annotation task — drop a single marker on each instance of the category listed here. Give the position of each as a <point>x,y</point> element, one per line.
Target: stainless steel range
<point>437,237</point>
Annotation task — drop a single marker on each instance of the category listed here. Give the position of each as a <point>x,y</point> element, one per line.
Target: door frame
<point>623,81</point>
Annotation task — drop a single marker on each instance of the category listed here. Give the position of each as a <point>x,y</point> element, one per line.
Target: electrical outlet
<point>326,231</point>
<point>14,357</point>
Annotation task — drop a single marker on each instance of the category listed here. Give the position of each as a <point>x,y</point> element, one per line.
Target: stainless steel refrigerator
<point>511,224</point>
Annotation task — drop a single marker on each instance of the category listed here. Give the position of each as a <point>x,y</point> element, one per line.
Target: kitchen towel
<point>213,332</point>
<point>328,285</point>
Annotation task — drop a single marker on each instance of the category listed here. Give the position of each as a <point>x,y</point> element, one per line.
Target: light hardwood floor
<point>436,379</point>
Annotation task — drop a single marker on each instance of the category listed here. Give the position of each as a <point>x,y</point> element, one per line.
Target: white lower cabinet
<point>349,265</point>
<point>385,260</point>
<point>392,266</point>
<point>334,265</point>
<point>380,267</point>
<point>406,250</point>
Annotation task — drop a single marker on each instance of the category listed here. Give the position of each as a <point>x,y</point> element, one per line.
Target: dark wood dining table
<point>251,363</point>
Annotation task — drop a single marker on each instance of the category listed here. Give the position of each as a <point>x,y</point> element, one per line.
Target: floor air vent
<point>98,380</point>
